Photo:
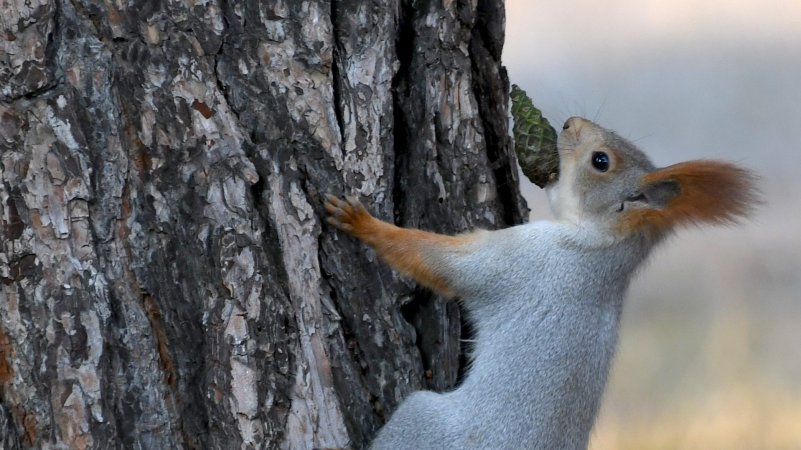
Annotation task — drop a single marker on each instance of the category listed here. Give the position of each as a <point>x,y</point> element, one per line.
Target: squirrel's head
<point>606,181</point>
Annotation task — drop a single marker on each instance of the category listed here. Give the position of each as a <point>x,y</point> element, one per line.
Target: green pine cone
<point>535,140</point>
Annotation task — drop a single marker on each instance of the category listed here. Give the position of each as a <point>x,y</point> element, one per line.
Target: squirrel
<point>545,297</point>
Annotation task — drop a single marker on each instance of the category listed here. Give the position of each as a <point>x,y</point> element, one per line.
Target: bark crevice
<point>491,88</point>
<point>336,77</point>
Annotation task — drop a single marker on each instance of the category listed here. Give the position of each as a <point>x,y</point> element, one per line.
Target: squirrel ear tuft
<point>693,192</point>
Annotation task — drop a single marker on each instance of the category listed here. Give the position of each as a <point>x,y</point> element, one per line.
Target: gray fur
<point>546,315</point>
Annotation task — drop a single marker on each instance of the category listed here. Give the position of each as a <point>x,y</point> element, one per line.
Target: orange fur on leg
<point>709,192</point>
<point>411,252</point>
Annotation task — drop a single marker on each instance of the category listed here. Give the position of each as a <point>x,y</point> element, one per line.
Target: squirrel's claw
<point>346,214</point>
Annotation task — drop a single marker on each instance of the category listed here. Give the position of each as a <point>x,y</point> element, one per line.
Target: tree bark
<point>167,278</point>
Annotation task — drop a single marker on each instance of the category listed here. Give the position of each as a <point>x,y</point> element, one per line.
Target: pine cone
<point>535,140</point>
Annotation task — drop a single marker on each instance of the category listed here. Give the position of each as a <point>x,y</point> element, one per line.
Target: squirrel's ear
<point>659,193</point>
<point>692,192</point>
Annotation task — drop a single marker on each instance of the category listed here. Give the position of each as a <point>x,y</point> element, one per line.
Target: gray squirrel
<point>545,297</point>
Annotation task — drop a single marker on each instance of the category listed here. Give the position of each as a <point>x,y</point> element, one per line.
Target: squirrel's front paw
<point>349,215</point>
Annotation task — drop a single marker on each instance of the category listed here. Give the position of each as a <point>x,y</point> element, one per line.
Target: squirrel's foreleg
<point>415,253</point>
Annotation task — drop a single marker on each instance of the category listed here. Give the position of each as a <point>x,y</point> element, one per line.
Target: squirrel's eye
<point>600,161</point>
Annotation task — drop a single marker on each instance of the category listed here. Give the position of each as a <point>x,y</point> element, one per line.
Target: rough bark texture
<point>167,281</point>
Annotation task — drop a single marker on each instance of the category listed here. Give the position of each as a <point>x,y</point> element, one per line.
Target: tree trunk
<point>167,278</point>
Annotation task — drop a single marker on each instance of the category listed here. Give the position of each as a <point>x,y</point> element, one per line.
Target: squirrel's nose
<point>574,123</point>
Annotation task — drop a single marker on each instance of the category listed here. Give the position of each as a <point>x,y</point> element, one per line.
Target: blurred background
<point>710,345</point>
